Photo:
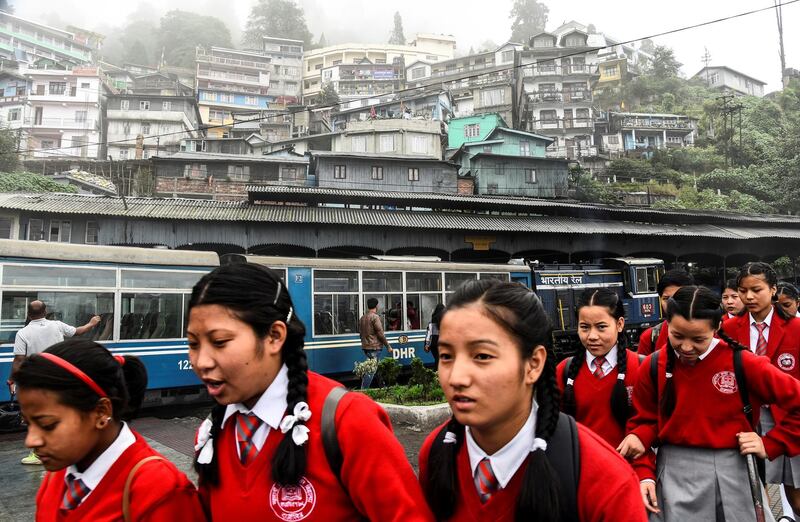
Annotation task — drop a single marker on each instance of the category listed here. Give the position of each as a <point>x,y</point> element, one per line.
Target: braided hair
<point>257,296</point>
<point>620,406</point>
<point>691,303</point>
<point>765,270</point>
<point>517,309</point>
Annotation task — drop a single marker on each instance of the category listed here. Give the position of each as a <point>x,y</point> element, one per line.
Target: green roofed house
<point>506,161</point>
<point>472,128</point>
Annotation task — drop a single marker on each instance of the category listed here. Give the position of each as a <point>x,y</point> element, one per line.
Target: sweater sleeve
<point>644,422</point>
<point>645,466</point>
<point>645,345</point>
<point>772,386</point>
<point>374,461</point>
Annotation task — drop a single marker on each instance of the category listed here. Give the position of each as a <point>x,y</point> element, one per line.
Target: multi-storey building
<point>422,138</point>
<point>364,70</point>
<point>14,90</point>
<point>32,42</point>
<point>64,113</point>
<point>639,134</point>
<point>286,80</point>
<point>728,80</point>
<point>230,81</point>
<point>479,84</point>
<point>556,91</point>
<point>142,125</point>
<point>431,104</point>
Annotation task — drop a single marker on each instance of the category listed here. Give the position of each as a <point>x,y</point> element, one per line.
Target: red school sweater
<point>159,493</point>
<point>645,340</point>
<point>607,489</point>
<point>708,408</point>
<point>379,482</point>
<point>593,398</point>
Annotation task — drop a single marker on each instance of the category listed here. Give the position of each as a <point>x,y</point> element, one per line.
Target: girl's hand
<point>631,447</point>
<point>751,443</point>
<point>648,489</point>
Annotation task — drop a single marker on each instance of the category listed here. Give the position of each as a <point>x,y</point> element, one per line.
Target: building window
<point>91,232</point>
<point>610,70</point>
<point>417,72</point>
<point>208,96</point>
<point>58,87</point>
<point>166,106</point>
<point>226,98</point>
<point>85,85</point>
<point>358,144</point>
<point>195,171</point>
<point>473,130</point>
<point>530,175</point>
<point>487,149</point>
<point>340,172</point>
<point>80,116</point>
<point>144,105</point>
<point>491,188</point>
<point>238,173</point>
<point>713,79</point>
<point>548,116</point>
<point>524,148</point>
<point>126,127</point>
<point>413,174</point>
<point>5,228</point>
<point>251,100</point>
<point>507,56</point>
<point>613,140</point>
<point>124,105</point>
<point>60,231</point>
<point>501,169</point>
<point>289,173</point>
<point>123,154</point>
<point>420,144</point>
<point>387,143</point>
<point>493,97</point>
<point>145,128</point>
<point>377,173</point>
<point>14,114</point>
<point>674,139</point>
<point>35,230</point>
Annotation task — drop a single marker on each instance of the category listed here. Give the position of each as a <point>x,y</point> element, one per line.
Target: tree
<point>664,65</point>
<point>397,37</point>
<point>181,32</point>
<point>322,42</point>
<point>9,161</point>
<point>486,46</point>
<point>529,17</point>
<point>328,95</point>
<point>278,18</point>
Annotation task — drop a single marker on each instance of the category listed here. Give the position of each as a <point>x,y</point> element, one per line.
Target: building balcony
<point>233,62</point>
<point>572,152</point>
<point>538,70</point>
<point>61,124</point>
<point>658,124</point>
<point>257,81</point>
<point>562,124</point>
<point>460,70</point>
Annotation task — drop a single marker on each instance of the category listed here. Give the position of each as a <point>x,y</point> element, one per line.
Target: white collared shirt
<point>711,346</point>
<point>608,365</point>
<point>754,330</point>
<point>92,476</point>
<point>270,408</point>
<point>731,316</point>
<point>506,461</point>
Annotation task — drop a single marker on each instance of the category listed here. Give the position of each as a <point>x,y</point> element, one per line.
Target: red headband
<point>77,372</point>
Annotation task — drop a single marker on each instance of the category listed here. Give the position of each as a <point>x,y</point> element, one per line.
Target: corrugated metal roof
<point>204,210</point>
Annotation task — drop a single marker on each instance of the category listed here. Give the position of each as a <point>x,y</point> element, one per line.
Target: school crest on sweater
<point>786,362</point>
<point>293,503</point>
<point>725,382</point>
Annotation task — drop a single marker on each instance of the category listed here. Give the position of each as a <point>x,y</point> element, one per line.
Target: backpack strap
<point>126,493</point>
<point>563,453</point>
<point>655,332</point>
<point>330,440</point>
<point>741,383</point>
<point>566,369</point>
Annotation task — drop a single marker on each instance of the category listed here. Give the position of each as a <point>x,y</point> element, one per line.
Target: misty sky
<point>748,44</point>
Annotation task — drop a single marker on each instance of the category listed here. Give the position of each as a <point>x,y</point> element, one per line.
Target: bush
<point>422,376</point>
<point>389,370</point>
<point>412,395</point>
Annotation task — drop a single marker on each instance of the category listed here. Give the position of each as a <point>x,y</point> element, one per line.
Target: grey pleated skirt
<point>782,470</point>
<point>704,485</point>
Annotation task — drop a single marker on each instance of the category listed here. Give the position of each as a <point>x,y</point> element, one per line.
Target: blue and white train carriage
<point>142,294</point>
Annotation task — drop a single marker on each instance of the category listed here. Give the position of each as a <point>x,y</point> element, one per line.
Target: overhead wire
<point>291,112</point>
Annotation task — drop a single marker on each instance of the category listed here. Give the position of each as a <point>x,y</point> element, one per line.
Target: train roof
<point>400,263</point>
<point>12,248</point>
<point>637,260</point>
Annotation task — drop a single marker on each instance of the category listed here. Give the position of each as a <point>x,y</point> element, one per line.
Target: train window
<point>381,281</point>
<point>499,277</point>
<point>454,280</point>
<point>645,280</point>
<point>335,314</point>
<point>421,308</point>
<point>157,279</point>
<point>151,316</point>
<point>390,310</point>
<point>423,282</point>
<point>40,276</point>
<point>335,281</point>
<point>73,308</point>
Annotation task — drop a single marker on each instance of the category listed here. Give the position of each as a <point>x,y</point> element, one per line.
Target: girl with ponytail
<point>490,460</point>
<point>76,398</point>
<point>695,414</point>
<point>598,381</point>
<point>766,329</point>
<point>260,454</point>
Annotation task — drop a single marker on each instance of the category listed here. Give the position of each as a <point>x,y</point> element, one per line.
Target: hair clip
<point>450,438</point>
<point>289,315</point>
<point>668,375</point>
<point>277,293</point>
<point>621,376</point>
<point>204,444</point>
<point>120,359</point>
<point>539,444</point>
<point>570,382</point>
<point>301,414</point>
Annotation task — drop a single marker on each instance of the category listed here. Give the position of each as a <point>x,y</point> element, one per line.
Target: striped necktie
<point>76,490</point>
<point>246,426</point>
<point>485,481</point>
<point>598,367</point>
<point>761,344</point>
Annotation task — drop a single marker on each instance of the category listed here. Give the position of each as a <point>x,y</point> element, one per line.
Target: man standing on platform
<point>372,338</point>
<point>37,336</point>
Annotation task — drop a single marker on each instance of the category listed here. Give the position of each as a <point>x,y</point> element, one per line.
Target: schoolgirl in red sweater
<point>695,412</point>
<point>668,284</point>
<point>490,461</point>
<point>767,329</point>
<point>74,396</point>
<point>731,302</point>
<point>260,454</point>
<point>597,388</point>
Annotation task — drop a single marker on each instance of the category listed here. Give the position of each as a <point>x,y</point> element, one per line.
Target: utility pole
<point>707,61</point>
<point>779,16</point>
